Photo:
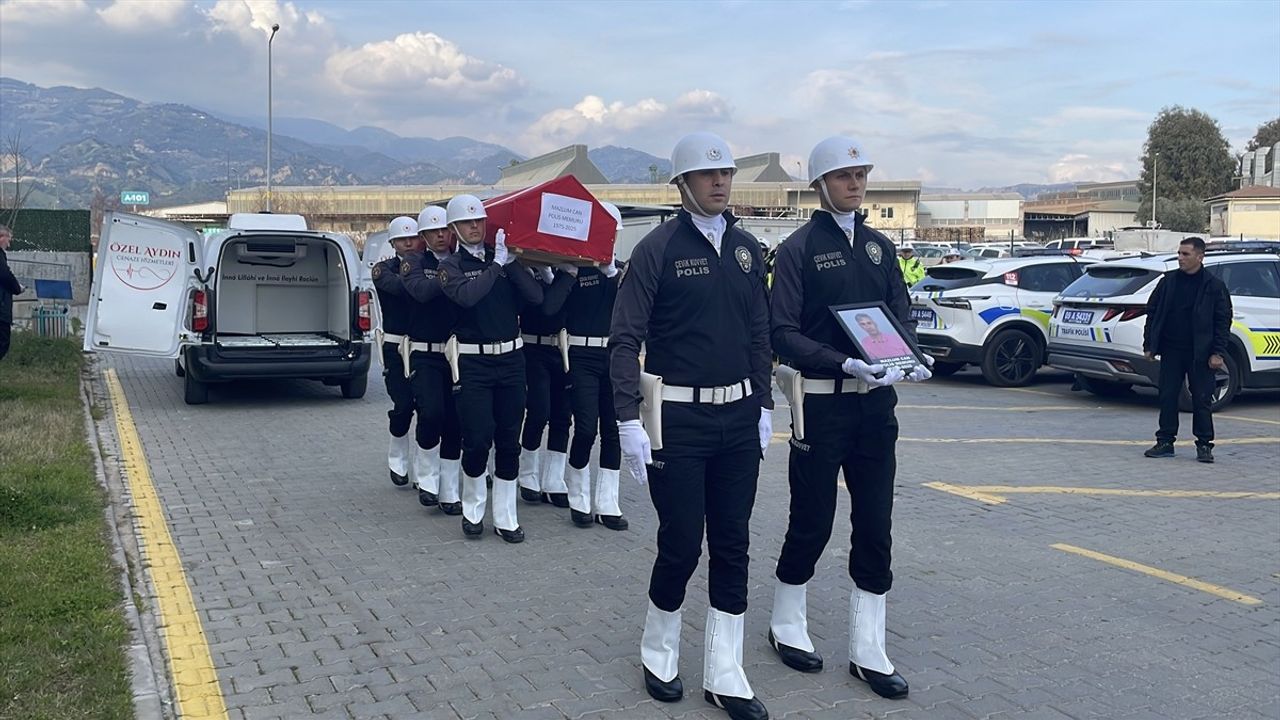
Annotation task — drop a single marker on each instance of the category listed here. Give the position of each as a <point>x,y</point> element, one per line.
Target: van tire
<point>942,368</point>
<point>194,392</point>
<point>1011,358</point>
<point>354,388</point>
<point>1220,401</point>
<point>177,368</point>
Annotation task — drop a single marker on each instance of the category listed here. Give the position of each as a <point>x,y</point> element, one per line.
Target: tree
<point>1195,160</point>
<point>15,158</point>
<point>1185,215</point>
<point>1268,134</point>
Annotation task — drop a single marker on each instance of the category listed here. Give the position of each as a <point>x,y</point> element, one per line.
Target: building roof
<point>970,196</point>
<point>571,160</point>
<point>1251,191</point>
<point>764,167</point>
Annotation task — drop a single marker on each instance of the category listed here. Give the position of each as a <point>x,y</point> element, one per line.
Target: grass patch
<point>62,629</point>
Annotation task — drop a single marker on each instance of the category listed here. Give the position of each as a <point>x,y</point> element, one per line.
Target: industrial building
<point>1250,212</point>
<point>972,217</point>
<point>1091,210</point>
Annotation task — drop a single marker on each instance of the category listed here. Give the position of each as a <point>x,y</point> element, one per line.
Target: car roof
<point>1003,265</point>
<point>1168,261</point>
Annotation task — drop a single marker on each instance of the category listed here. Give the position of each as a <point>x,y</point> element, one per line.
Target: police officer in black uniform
<point>397,314</point>
<point>694,294</point>
<point>848,407</point>
<point>547,401</point>
<point>437,461</point>
<point>489,287</point>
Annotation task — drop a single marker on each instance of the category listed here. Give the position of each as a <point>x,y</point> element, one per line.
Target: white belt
<point>497,348</point>
<point>588,341</point>
<point>551,340</point>
<point>707,395</point>
<point>392,338</point>
<point>427,347</point>
<point>827,386</point>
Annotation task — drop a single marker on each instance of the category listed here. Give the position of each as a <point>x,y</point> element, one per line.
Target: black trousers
<point>399,388</point>
<point>1174,367</point>
<point>548,399</point>
<point>704,477</point>
<point>432,383</point>
<point>490,406</point>
<point>591,395</point>
<point>857,434</point>
<point>6,330</point>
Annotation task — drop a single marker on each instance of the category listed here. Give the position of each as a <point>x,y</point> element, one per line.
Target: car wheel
<point>194,392</point>
<point>353,388</point>
<point>1011,359</point>
<point>1227,384</point>
<point>941,368</point>
<point>177,368</point>
<point>1103,388</point>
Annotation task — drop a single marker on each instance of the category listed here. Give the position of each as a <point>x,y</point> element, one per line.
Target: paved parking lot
<point>324,591</point>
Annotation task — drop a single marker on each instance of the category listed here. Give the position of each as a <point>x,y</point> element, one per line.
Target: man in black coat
<point>9,286</point>
<point>1188,323</point>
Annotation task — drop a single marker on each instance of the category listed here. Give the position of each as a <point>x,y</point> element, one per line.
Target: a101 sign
<point>135,197</point>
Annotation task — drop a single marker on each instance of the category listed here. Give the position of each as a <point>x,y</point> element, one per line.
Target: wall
<point>1255,218</point>
<point>32,264</point>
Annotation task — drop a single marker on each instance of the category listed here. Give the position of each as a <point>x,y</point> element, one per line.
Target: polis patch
<point>874,251</point>
<point>442,275</point>
<point>744,258</point>
<point>404,268</point>
<point>377,271</point>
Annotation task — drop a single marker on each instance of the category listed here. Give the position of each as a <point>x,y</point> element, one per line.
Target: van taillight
<point>364,322</point>
<point>199,311</point>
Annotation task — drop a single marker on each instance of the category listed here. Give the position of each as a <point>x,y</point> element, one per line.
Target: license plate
<point>1077,317</point>
<point>924,317</point>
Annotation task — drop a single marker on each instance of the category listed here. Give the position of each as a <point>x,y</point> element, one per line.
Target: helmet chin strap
<point>687,196</point>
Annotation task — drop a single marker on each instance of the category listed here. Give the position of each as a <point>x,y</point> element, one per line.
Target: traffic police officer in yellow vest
<point>912,271</point>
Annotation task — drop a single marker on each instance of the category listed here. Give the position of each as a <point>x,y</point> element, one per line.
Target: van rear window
<point>1109,281</point>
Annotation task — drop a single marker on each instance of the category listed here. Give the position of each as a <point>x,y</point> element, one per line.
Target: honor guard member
<point>397,314</point>
<point>489,287</point>
<point>547,404</point>
<point>848,417</point>
<point>588,314</point>
<point>693,293</point>
<point>437,464</point>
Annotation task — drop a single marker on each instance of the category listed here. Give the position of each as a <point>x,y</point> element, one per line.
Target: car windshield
<point>1108,281</point>
<point>948,277</point>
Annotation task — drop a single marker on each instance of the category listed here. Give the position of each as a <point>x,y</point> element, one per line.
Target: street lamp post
<point>274,29</point>
<point>799,190</point>
<point>1155,165</point>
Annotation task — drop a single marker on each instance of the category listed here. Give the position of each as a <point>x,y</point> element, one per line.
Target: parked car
<point>991,313</point>
<point>1075,246</point>
<point>266,298</point>
<point>1097,325</point>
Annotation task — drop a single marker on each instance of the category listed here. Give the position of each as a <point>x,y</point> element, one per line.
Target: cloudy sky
<point>960,94</point>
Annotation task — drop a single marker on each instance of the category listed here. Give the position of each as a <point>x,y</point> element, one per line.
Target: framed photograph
<point>878,336</point>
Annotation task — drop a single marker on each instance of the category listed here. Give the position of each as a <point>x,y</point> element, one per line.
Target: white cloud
<point>1077,167</point>
<point>1081,114</point>
<point>131,15</point>
<point>593,121</point>
<point>704,105</point>
<point>41,12</point>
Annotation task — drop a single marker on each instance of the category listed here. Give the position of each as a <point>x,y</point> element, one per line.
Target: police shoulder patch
<point>405,268</point>
<point>623,275</point>
<point>443,275</point>
<point>874,251</point>
<point>377,271</point>
<point>744,258</point>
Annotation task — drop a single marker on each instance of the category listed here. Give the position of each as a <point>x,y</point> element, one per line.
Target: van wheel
<point>941,368</point>
<point>353,388</point>
<point>1011,358</point>
<point>194,391</point>
<point>1103,388</point>
<point>1227,384</point>
<point>177,368</point>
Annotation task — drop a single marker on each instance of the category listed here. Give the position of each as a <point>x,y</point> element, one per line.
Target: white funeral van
<point>266,298</point>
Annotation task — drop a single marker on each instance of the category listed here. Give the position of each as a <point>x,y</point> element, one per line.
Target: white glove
<point>920,373</point>
<point>610,268</point>
<point>636,451</point>
<point>547,276</point>
<point>766,430</point>
<point>500,254</point>
<point>568,269</point>
<point>867,373</point>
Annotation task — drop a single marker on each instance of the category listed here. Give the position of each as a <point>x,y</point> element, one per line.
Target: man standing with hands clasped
<point>1188,323</point>
<point>848,413</point>
<point>694,295</point>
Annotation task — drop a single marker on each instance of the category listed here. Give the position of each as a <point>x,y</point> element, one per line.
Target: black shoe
<point>511,536</point>
<point>472,530</point>
<point>1204,453</point>
<point>795,658</point>
<point>581,519</point>
<point>1161,449</point>
<point>451,508</point>
<point>613,522</point>
<point>427,498</point>
<point>560,500</point>
<point>738,708</point>
<point>892,686</point>
<point>398,480</point>
<point>663,691</point>
<point>530,495</point>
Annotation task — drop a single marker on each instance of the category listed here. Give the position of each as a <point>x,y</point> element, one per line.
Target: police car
<point>1098,322</point>
<point>991,313</point>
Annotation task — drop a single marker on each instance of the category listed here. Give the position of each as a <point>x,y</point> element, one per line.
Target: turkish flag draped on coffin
<point>553,222</point>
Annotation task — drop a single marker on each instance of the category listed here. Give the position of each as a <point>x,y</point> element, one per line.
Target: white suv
<point>1098,322</point>
<point>991,313</point>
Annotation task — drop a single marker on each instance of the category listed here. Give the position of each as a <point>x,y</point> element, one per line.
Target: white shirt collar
<point>440,255</point>
<point>711,227</point>
<point>848,222</point>
<point>476,250</point>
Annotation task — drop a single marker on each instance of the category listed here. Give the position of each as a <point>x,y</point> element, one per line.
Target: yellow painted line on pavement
<point>1242,418</point>
<point>1218,590</point>
<point>998,491</point>
<point>966,492</point>
<point>1077,441</point>
<point>196,690</point>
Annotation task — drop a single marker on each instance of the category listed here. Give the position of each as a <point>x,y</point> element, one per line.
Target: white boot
<point>553,472</point>
<point>450,474</point>
<point>866,632</point>
<point>398,456</point>
<point>722,672</point>
<point>789,622</point>
<point>474,496</point>
<point>660,643</point>
<point>606,496</point>
<point>529,470</point>
<point>504,504</point>
<point>426,469</point>
<point>578,481</point>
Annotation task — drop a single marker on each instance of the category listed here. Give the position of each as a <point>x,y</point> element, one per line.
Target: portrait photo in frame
<point>878,335</point>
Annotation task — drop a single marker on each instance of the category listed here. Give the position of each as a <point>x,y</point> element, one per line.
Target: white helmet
<point>700,151</point>
<point>613,211</point>
<point>464,207</point>
<point>836,153</point>
<point>432,217</point>
<point>402,227</point>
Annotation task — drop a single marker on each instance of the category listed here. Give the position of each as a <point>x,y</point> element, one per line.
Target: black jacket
<point>9,286</point>
<point>1210,316</point>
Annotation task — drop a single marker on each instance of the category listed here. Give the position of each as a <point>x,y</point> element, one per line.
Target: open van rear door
<point>145,270</point>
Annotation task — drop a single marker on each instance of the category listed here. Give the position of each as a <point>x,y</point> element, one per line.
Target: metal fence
<point>50,283</point>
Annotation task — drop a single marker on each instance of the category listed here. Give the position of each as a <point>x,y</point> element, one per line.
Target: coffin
<point>557,221</point>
